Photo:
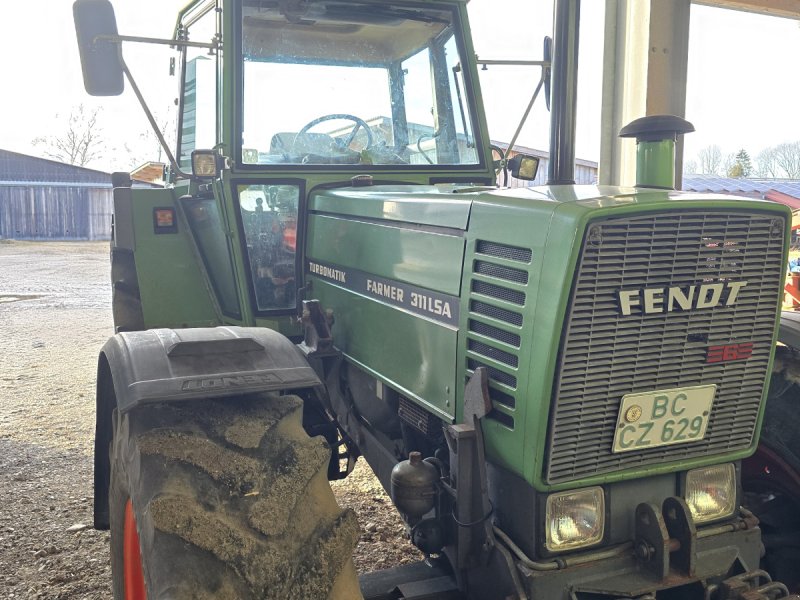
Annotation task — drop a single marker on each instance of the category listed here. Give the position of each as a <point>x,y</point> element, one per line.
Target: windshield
<point>332,82</point>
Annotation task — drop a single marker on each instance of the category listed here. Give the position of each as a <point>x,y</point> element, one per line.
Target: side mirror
<point>100,59</point>
<point>523,167</point>
<point>548,56</point>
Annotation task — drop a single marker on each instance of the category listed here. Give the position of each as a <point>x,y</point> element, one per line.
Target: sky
<point>742,83</point>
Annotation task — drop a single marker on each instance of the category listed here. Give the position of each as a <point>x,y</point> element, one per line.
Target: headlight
<point>204,163</point>
<point>711,492</point>
<point>575,519</point>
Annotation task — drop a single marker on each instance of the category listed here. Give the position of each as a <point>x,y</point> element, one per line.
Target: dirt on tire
<point>253,516</point>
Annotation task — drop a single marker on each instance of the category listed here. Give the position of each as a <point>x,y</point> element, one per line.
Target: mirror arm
<point>527,112</point>
<point>176,169</point>
<point>146,40</point>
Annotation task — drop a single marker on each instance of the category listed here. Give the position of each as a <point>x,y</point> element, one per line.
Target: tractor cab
<point>292,98</point>
<point>333,84</point>
<point>348,85</point>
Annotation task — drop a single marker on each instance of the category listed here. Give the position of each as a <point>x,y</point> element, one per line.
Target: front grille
<point>605,355</point>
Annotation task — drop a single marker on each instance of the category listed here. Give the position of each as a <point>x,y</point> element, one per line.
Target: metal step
<point>414,581</point>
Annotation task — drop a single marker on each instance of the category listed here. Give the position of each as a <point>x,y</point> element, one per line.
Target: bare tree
<point>767,164</point>
<point>690,167</point>
<point>787,157</point>
<point>710,159</point>
<point>728,165</point>
<point>82,141</point>
<point>145,147</point>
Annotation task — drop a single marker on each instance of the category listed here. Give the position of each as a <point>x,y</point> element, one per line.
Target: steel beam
<point>644,73</point>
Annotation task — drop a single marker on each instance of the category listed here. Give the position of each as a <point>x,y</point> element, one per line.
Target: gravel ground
<point>55,314</point>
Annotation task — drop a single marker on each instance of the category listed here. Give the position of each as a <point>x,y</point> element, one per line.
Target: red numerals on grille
<point>730,352</point>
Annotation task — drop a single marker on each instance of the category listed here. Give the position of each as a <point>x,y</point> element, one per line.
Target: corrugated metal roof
<point>790,201</point>
<point>23,169</point>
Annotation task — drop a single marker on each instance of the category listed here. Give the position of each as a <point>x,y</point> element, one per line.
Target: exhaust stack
<point>564,92</point>
<point>655,148</point>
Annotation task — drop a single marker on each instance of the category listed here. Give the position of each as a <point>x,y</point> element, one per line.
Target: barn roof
<point>21,169</point>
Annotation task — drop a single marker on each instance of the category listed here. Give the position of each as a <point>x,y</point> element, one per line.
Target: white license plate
<point>663,418</point>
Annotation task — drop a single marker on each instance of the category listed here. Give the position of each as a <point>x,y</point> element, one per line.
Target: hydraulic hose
<point>574,561</point>
<point>560,563</point>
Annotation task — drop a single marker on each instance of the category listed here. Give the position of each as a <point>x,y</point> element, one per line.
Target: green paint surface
<point>428,205</point>
<point>429,260</point>
<point>428,236</point>
<point>414,355</point>
<point>171,282</point>
<point>655,164</point>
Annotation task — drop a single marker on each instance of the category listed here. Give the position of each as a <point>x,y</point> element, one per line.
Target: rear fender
<point>789,330</point>
<point>165,365</point>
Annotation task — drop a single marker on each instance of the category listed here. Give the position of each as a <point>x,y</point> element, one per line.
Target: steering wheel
<point>359,123</point>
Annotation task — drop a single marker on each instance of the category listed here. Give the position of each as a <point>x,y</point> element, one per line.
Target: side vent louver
<point>495,312</point>
<point>500,272</point>
<point>523,255</point>
<point>500,275</point>
<point>499,355</point>
<point>501,335</point>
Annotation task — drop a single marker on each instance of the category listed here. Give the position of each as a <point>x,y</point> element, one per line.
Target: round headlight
<point>574,519</point>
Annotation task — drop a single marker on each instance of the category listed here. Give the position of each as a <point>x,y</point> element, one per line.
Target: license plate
<point>663,418</point>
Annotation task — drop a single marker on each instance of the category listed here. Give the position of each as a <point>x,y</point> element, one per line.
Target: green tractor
<point>557,385</point>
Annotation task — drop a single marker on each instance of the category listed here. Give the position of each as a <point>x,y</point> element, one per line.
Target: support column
<point>644,73</point>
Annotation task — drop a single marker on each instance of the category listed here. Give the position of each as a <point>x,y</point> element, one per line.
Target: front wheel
<point>226,499</point>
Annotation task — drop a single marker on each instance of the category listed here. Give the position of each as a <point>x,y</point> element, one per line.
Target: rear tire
<point>781,430</point>
<point>231,500</point>
<point>767,479</point>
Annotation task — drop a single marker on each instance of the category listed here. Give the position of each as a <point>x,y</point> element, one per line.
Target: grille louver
<point>501,272</point>
<point>499,292</point>
<point>523,255</point>
<point>501,335</point>
<point>495,312</point>
<point>605,355</point>
<point>500,277</point>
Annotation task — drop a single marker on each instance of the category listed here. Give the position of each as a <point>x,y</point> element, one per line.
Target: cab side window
<point>269,218</point>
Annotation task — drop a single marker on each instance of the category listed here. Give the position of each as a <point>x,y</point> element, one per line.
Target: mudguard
<point>165,365</point>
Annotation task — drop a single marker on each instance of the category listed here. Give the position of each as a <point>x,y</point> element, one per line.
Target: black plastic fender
<point>781,428</point>
<point>789,330</point>
<point>166,365</point>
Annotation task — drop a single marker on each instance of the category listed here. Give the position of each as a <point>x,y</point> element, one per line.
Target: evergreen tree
<point>742,166</point>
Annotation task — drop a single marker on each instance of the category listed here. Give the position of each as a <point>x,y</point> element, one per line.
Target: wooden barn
<point>48,200</point>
